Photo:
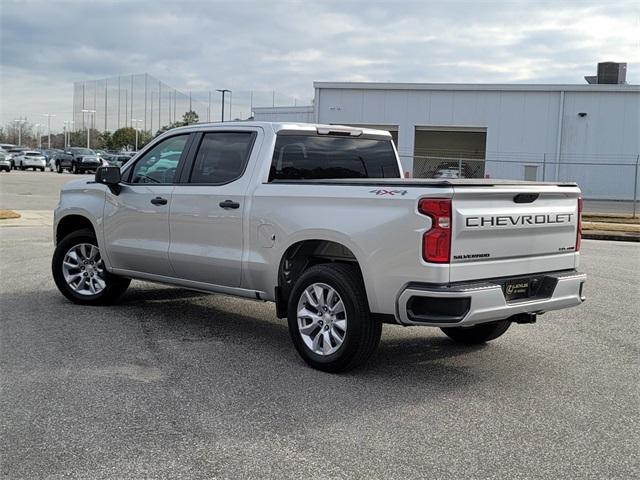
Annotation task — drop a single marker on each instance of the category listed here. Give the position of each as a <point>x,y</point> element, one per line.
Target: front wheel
<point>482,333</point>
<point>329,319</point>
<point>79,272</point>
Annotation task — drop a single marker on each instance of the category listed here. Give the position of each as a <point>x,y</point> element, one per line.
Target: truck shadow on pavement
<point>187,316</point>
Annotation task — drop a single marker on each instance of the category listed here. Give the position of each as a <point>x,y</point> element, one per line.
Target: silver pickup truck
<point>319,220</point>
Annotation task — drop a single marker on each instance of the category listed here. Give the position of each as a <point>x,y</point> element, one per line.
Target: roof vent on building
<point>612,73</point>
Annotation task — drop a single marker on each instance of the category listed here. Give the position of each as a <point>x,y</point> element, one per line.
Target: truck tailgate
<point>504,230</point>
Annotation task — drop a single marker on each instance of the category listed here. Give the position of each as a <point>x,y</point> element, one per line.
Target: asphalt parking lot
<point>177,384</point>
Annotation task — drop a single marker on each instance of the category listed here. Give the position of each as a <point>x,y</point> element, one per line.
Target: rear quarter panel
<point>384,232</point>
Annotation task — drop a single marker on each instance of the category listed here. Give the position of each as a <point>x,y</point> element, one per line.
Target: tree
<point>105,140</point>
<point>188,118</point>
<point>123,138</point>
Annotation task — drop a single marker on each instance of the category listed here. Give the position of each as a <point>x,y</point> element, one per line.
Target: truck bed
<point>424,182</point>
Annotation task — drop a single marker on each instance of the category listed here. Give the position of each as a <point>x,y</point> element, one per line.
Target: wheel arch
<point>72,223</point>
<point>301,254</point>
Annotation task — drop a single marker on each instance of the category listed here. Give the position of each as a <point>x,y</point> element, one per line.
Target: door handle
<point>229,204</point>
<point>159,201</point>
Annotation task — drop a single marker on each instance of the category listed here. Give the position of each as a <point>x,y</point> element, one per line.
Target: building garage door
<point>449,152</point>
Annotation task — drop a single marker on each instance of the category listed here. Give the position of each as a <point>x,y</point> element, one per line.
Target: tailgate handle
<point>526,197</point>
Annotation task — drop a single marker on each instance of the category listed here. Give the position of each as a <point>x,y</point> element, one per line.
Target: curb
<point>29,218</point>
<point>607,235</point>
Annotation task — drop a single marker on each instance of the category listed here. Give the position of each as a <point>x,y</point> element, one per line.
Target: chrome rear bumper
<point>471,303</point>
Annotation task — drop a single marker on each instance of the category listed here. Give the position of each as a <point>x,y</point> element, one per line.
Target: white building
<point>584,133</point>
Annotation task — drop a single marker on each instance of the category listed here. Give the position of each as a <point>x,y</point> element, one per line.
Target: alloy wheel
<point>322,319</point>
<point>83,269</point>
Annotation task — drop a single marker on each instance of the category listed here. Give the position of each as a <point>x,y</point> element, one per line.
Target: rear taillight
<point>436,243</point>
<point>579,233</point>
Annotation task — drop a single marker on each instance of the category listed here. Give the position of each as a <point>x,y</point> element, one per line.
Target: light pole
<point>20,122</point>
<point>37,127</point>
<point>88,126</point>
<point>70,131</point>
<point>222,91</point>
<point>49,115</point>
<point>137,128</point>
<point>67,132</point>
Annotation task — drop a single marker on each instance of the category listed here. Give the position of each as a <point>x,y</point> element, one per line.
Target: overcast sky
<point>46,45</point>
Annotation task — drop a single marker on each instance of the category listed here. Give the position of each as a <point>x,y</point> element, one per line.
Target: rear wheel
<point>79,272</point>
<point>59,168</point>
<point>482,333</point>
<point>329,319</point>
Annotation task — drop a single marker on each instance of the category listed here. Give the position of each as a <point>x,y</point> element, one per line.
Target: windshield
<point>83,151</point>
<point>298,157</point>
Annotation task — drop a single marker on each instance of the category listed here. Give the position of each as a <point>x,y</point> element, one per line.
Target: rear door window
<point>311,157</point>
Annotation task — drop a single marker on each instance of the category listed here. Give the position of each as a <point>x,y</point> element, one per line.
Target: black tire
<point>482,333</point>
<point>115,285</point>
<point>363,331</point>
<point>59,168</point>
<point>42,169</point>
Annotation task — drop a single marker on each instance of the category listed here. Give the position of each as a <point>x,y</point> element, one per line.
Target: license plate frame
<point>517,289</point>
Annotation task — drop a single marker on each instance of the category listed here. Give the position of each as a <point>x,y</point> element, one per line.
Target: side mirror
<point>109,176</point>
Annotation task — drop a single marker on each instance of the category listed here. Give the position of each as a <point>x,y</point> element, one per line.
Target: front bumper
<point>34,164</point>
<point>471,303</point>
<point>88,166</point>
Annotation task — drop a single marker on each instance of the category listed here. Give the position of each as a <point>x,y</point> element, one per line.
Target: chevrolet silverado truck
<point>78,160</point>
<point>319,220</point>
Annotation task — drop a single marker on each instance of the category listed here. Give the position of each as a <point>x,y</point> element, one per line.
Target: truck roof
<point>295,126</point>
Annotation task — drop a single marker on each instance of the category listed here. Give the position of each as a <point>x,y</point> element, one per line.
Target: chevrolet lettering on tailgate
<point>515,220</point>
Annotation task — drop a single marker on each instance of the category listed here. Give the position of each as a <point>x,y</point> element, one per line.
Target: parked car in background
<point>51,154</point>
<point>104,156</point>
<point>447,173</point>
<point>60,160</point>
<point>82,160</point>
<point>45,154</point>
<point>13,152</point>
<point>118,159</point>
<point>30,159</point>
<point>453,169</point>
<point>5,161</point>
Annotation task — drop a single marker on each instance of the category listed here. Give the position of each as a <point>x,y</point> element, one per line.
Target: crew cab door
<point>136,221</point>
<point>206,217</point>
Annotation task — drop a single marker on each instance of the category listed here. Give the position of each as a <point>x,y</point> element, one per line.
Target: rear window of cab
<point>322,157</point>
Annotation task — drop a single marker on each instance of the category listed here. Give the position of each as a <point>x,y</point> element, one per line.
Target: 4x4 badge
<point>382,191</point>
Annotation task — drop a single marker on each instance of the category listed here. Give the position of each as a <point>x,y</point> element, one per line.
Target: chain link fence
<point>143,101</point>
<point>613,177</point>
